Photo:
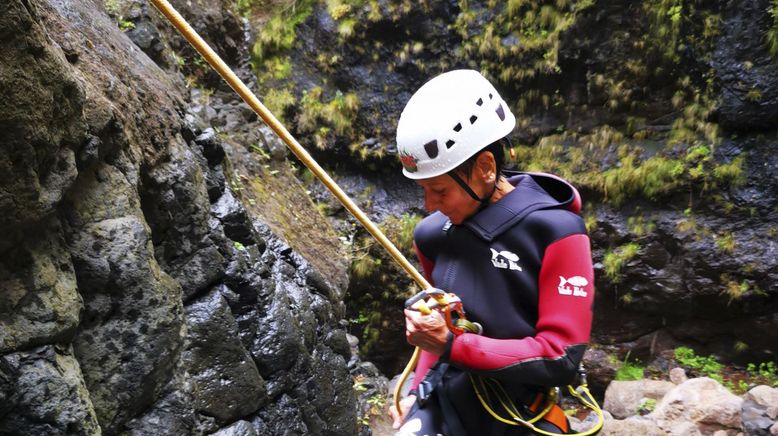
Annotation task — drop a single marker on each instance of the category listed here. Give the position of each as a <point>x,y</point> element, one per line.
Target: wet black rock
<point>43,393</point>
<point>747,72</point>
<point>226,381</point>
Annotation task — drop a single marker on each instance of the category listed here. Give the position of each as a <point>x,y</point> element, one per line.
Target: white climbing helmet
<point>448,120</point>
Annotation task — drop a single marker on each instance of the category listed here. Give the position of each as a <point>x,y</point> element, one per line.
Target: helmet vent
<point>431,148</point>
<point>480,101</point>
<point>490,96</point>
<point>500,112</point>
<point>472,119</point>
<point>450,143</point>
<point>458,127</point>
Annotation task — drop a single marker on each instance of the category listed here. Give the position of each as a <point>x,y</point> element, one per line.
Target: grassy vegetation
<point>735,290</point>
<point>639,226</point>
<point>771,38</point>
<point>755,373</point>
<point>615,259</point>
<point>631,175</point>
<point>538,25</point>
<point>344,13</point>
<point>704,365</point>
<point>278,34</point>
<point>726,243</point>
<point>517,44</point>
<point>629,370</point>
<point>324,119</point>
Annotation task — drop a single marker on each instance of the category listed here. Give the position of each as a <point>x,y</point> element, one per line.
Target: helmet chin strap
<point>483,202</point>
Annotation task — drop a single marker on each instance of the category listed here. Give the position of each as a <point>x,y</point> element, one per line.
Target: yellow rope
<point>245,93</point>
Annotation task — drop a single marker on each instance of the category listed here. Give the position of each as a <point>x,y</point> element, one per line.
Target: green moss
<point>614,260</point>
<point>655,176</point>
<point>731,173</point>
<point>771,38</point>
<point>278,100</point>
<point>639,226</point>
<point>726,243</point>
<point>326,118</point>
<point>279,32</point>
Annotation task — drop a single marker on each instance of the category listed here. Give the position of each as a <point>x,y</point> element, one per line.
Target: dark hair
<point>497,148</point>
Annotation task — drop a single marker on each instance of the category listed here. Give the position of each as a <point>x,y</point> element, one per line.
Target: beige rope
<point>245,93</point>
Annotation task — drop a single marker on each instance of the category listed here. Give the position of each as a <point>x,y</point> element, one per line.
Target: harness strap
<point>555,415</point>
<point>432,381</point>
<point>450,416</point>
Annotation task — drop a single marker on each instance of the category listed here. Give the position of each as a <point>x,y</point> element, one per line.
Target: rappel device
<point>448,304</point>
<point>444,301</point>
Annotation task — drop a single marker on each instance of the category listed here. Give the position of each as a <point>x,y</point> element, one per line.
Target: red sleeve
<point>426,359</point>
<point>551,357</point>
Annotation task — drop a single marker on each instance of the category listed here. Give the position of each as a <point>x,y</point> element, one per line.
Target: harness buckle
<point>425,391</point>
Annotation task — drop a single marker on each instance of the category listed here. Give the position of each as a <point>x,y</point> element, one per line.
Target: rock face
<point>140,294</point>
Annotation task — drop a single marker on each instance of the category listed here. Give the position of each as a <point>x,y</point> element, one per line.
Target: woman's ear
<point>485,167</point>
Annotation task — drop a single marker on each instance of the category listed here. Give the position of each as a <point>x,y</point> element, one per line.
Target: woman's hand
<point>405,405</point>
<point>428,332</point>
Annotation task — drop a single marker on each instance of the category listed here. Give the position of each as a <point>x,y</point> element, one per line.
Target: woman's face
<point>442,193</point>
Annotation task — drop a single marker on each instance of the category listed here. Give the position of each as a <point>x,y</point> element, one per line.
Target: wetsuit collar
<point>528,196</point>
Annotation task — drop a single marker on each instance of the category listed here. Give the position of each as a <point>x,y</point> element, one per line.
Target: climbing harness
<point>448,303</point>
<point>488,390</point>
<point>485,388</point>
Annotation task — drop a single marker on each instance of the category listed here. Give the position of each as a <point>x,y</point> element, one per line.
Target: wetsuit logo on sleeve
<point>505,260</point>
<point>572,286</point>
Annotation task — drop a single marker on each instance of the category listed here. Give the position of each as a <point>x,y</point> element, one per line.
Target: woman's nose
<point>430,204</point>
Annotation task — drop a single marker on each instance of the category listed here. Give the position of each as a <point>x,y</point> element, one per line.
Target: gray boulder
<point>698,406</point>
<point>624,398</point>
<point>760,410</point>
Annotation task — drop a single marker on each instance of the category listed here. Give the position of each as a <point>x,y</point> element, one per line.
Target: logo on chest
<point>572,286</point>
<point>505,260</point>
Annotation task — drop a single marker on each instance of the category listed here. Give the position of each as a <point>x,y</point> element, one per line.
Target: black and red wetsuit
<point>523,269</point>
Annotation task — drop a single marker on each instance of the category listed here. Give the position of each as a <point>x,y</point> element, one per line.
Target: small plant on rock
<point>765,372</point>
<point>705,365</point>
<point>629,370</point>
<point>646,406</point>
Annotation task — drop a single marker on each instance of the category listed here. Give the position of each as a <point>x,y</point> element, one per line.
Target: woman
<point>514,250</point>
